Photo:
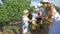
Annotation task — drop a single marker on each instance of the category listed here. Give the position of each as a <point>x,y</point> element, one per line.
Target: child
<point>25,21</point>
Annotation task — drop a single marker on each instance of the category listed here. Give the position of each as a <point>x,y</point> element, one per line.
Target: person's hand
<point>50,20</point>
<point>35,20</point>
<point>45,18</point>
<point>33,27</point>
<point>32,20</point>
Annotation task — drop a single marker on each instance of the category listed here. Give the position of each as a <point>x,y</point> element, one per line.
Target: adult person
<point>53,17</point>
<point>38,14</point>
<point>48,11</point>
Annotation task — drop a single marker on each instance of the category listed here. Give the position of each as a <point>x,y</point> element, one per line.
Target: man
<point>38,14</point>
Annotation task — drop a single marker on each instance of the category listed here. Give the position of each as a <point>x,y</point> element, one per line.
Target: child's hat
<point>25,11</point>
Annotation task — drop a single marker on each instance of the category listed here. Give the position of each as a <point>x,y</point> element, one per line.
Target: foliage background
<point>12,10</point>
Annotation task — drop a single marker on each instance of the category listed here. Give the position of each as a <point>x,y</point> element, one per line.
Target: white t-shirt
<point>25,20</point>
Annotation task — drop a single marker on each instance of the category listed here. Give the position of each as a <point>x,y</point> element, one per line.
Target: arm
<point>50,20</point>
<point>52,10</point>
<point>41,22</point>
<point>46,19</point>
<point>52,13</point>
<point>33,17</point>
<point>30,20</point>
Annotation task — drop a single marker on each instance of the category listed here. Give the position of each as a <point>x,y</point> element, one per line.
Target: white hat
<point>46,1</point>
<point>36,8</point>
<point>25,11</point>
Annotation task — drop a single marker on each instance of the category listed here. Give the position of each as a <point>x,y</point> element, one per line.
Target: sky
<point>1,2</point>
<point>55,2</point>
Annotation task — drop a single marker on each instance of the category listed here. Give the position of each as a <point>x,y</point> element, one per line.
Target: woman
<point>52,16</point>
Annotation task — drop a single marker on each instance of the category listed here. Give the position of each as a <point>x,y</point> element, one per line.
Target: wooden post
<point>4,30</point>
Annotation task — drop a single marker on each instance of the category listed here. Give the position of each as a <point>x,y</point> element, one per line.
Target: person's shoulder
<point>41,8</point>
<point>24,16</point>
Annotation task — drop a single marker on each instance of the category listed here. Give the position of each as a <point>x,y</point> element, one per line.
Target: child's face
<point>27,14</point>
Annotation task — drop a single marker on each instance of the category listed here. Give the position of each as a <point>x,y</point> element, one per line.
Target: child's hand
<point>32,20</point>
<point>35,20</point>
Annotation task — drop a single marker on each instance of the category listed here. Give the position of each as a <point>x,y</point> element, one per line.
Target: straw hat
<point>25,11</point>
<point>45,1</point>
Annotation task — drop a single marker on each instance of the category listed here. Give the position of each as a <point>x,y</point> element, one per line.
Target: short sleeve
<point>25,19</point>
<point>42,12</point>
